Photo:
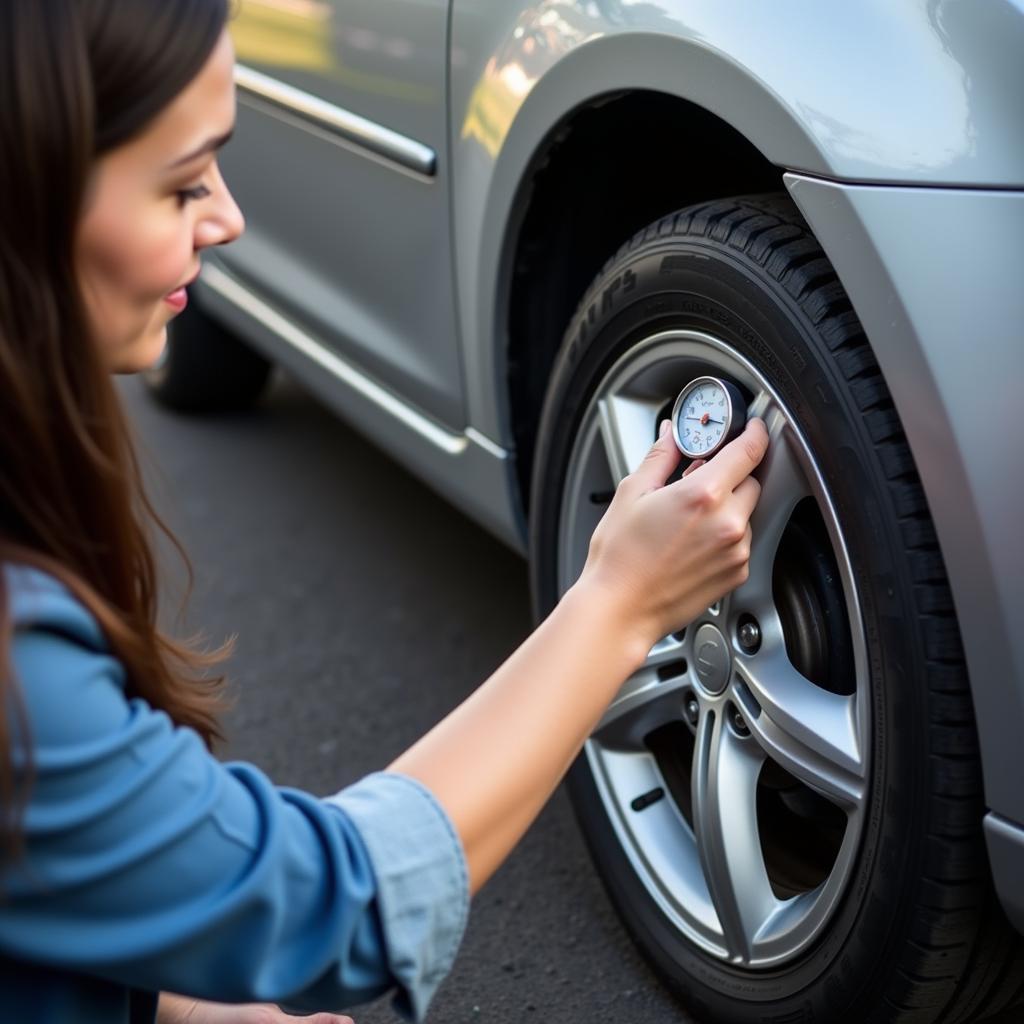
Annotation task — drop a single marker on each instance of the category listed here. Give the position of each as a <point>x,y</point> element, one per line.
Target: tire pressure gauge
<point>707,415</point>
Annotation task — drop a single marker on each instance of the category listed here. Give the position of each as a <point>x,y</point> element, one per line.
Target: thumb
<point>659,463</point>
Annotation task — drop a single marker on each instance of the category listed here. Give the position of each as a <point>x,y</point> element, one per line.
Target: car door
<point>340,165</point>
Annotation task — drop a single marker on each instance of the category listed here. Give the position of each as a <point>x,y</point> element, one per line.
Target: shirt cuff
<point>422,880</point>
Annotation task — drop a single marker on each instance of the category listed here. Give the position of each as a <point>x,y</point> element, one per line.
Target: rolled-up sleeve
<point>422,882</point>
<point>151,864</point>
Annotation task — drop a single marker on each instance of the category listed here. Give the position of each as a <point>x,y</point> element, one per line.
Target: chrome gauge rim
<point>737,785</point>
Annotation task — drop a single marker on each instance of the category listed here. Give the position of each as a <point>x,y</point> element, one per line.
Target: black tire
<point>919,935</point>
<point>205,367</point>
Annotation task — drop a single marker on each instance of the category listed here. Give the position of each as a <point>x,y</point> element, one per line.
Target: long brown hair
<point>77,79</point>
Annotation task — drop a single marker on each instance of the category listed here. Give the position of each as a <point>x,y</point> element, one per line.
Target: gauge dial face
<point>703,415</point>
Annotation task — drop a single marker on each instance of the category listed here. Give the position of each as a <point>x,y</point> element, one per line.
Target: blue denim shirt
<point>150,866</point>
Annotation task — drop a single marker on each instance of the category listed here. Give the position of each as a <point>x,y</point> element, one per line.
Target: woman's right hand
<point>667,552</point>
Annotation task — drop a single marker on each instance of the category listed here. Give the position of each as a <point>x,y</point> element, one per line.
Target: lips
<point>178,299</point>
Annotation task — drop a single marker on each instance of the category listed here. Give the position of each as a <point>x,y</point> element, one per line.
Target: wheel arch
<point>506,125</point>
<point>563,228</point>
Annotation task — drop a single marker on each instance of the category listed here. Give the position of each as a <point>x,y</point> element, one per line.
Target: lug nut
<point>749,635</point>
<point>739,724</point>
<point>692,711</point>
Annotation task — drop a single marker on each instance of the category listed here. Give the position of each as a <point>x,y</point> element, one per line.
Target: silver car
<point>500,236</point>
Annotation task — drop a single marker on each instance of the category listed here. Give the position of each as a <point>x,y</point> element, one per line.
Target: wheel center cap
<point>712,658</point>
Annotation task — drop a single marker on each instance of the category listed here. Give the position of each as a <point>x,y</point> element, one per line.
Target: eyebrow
<point>207,147</point>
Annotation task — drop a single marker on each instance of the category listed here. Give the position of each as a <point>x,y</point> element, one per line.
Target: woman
<point>135,863</point>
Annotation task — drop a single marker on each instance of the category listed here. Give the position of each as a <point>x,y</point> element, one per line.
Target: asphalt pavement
<point>365,608</point>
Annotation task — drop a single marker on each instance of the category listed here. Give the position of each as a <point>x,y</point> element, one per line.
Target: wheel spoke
<point>644,703</point>
<point>666,651</point>
<point>783,486</point>
<point>627,430</point>
<point>809,731</point>
<point>724,795</point>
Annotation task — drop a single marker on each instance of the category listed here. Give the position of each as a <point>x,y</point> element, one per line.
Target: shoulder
<point>37,600</point>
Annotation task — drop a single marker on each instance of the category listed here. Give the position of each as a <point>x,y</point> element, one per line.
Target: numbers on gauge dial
<point>704,418</point>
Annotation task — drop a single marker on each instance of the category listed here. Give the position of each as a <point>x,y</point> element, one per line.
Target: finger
<point>740,457</point>
<point>696,464</point>
<point>746,497</point>
<point>748,541</point>
<point>659,463</point>
<point>737,556</point>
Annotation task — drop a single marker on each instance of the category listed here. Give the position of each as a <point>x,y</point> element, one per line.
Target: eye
<point>186,195</point>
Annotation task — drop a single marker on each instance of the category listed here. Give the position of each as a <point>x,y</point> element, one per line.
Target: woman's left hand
<point>183,1010</point>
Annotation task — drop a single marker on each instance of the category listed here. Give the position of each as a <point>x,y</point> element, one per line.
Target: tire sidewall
<point>205,367</point>
<point>703,285</point>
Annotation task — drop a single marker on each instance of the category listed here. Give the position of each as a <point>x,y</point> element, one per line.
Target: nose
<point>222,220</point>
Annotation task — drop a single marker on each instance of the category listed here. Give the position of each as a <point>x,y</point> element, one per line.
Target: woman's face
<point>154,204</point>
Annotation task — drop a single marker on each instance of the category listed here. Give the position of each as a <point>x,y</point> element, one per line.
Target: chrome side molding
<point>351,127</point>
<point>237,294</point>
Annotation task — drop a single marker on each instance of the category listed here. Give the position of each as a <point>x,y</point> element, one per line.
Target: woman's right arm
<point>659,556</point>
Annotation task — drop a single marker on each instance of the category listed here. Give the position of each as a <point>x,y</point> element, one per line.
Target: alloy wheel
<point>734,764</point>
